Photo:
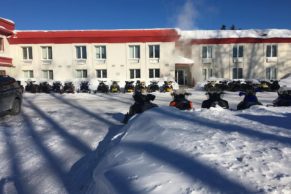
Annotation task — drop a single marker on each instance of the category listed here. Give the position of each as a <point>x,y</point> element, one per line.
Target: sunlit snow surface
<point>75,143</point>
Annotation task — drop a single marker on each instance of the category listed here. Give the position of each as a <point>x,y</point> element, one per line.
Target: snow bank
<point>286,81</point>
<point>168,151</point>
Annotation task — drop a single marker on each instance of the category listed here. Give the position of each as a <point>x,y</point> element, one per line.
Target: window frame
<point>209,55</point>
<point>207,73</point>
<point>49,52</point>
<point>271,73</point>
<point>30,74</point>
<point>156,73</point>
<point>236,51</point>
<point>48,74</point>
<point>82,73</point>
<point>239,74</point>
<point>135,73</point>
<point>80,48</point>
<point>101,73</point>
<point>99,48</point>
<point>134,51</point>
<point>154,54</point>
<point>27,50</point>
<point>271,47</point>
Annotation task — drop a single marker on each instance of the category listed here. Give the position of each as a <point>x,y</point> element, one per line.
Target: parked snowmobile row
<point>239,85</point>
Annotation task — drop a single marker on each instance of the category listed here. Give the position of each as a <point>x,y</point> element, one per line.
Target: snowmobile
<point>102,87</point>
<point>167,87</point>
<point>141,103</point>
<point>57,87</point>
<point>140,87</point>
<point>69,87</point>
<point>284,97</point>
<point>234,86</point>
<point>153,87</point>
<point>31,87</point>
<point>114,88</point>
<point>264,86</point>
<point>180,101</point>
<point>249,100</point>
<point>129,87</point>
<point>84,87</point>
<point>274,85</point>
<point>214,99</point>
<point>209,85</point>
<point>45,87</point>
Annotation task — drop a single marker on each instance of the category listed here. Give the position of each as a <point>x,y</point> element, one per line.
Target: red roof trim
<point>5,61</point>
<point>94,36</point>
<point>240,40</point>
<point>5,32</point>
<point>7,24</point>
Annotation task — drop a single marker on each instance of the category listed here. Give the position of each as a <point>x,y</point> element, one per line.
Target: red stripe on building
<point>94,36</point>
<point>7,24</point>
<point>5,61</point>
<point>5,32</point>
<point>239,40</point>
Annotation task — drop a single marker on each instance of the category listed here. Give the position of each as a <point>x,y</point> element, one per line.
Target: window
<point>27,53</point>
<point>237,51</point>
<point>134,52</point>
<point>100,52</point>
<point>101,73</point>
<point>237,73</point>
<point>154,51</point>
<point>207,73</point>
<point>207,52</point>
<point>2,72</point>
<point>271,51</point>
<point>81,52</point>
<point>48,74</point>
<point>28,74</point>
<point>134,73</point>
<point>47,53</point>
<point>81,73</point>
<point>1,44</point>
<point>154,73</point>
<point>271,73</point>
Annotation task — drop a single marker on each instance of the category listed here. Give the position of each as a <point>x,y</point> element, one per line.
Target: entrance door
<point>180,76</point>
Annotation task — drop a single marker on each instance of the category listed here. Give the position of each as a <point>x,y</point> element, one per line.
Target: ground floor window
<point>2,72</point>
<point>207,73</point>
<point>237,73</point>
<point>81,73</point>
<point>101,73</point>
<point>134,73</point>
<point>48,74</point>
<point>271,73</point>
<point>28,74</point>
<point>154,73</point>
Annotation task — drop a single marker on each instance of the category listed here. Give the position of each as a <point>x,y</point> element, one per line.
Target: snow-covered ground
<point>75,143</point>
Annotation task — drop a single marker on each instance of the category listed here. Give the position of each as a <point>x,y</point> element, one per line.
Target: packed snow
<point>76,143</point>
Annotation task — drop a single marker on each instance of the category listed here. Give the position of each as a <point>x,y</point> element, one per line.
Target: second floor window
<point>81,52</point>
<point>134,52</point>
<point>134,73</point>
<point>1,44</point>
<point>237,51</point>
<point>47,53</point>
<point>101,73</point>
<point>48,74</point>
<point>271,51</point>
<point>237,73</point>
<point>154,73</point>
<point>100,52</point>
<point>27,53</point>
<point>81,73</point>
<point>28,74</point>
<point>207,52</point>
<point>154,51</point>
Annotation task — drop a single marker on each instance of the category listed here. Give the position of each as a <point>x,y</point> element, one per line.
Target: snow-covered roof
<point>10,21</point>
<point>251,33</point>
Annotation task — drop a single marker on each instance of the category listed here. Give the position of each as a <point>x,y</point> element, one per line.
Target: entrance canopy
<point>183,60</point>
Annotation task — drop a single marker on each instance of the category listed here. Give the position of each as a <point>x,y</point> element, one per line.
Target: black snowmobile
<point>214,99</point>
<point>140,87</point>
<point>153,87</point>
<point>141,103</point>
<point>45,87</point>
<point>84,87</point>
<point>69,87</point>
<point>129,87</point>
<point>284,97</point>
<point>114,88</point>
<point>102,87</point>
<point>57,87</point>
<point>180,101</point>
<point>249,100</point>
<point>31,87</point>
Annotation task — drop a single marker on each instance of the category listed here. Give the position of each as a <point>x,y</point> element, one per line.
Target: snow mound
<point>286,81</point>
<point>165,150</point>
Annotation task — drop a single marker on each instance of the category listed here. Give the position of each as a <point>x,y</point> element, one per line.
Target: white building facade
<point>121,55</point>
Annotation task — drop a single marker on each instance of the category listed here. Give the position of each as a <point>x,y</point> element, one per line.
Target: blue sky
<point>135,14</point>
